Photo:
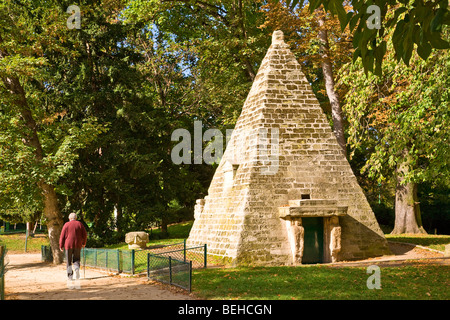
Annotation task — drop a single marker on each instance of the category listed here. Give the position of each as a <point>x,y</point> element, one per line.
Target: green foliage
<point>407,108</point>
<point>416,26</point>
<point>28,41</point>
<point>106,98</point>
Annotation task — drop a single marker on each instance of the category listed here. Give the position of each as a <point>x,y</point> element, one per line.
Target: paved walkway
<point>28,278</point>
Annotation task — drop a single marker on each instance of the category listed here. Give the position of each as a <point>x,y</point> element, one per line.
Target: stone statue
<point>335,238</point>
<point>137,239</point>
<point>298,233</point>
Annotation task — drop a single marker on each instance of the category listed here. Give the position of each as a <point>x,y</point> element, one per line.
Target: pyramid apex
<point>278,37</point>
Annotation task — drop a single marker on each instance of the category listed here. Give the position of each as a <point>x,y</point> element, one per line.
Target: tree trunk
<point>31,139</point>
<point>327,69</point>
<point>54,220</point>
<point>164,225</point>
<point>407,209</point>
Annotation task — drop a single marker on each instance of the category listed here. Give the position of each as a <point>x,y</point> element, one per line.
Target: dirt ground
<point>402,253</point>
<point>28,278</point>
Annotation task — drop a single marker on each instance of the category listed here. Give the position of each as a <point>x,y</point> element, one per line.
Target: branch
<point>213,10</point>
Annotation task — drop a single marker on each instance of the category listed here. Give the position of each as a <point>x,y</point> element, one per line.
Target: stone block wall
<point>239,220</point>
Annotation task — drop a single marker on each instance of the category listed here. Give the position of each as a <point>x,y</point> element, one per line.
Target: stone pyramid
<point>283,192</point>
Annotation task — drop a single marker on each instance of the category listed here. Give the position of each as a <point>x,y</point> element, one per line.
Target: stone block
<point>137,239</point>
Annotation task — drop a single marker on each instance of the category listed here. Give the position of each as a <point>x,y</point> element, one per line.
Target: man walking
<point>73,238</point>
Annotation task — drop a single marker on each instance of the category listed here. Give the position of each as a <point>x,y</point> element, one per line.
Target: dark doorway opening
<point>313,240</point>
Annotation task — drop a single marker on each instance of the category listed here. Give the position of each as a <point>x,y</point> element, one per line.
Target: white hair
<point>73,216</point>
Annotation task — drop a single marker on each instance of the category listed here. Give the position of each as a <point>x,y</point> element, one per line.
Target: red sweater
<point>73,235</point>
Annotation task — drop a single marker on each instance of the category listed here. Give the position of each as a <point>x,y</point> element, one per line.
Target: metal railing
<point>113,260</point>
<point>169,270</point>
<point>198,254</point>
<point>170,264</point>
<point>135,261</point>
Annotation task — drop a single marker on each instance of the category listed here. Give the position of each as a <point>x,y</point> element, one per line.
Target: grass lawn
<point>177,234</point>
<point>321,282</point>
<point>436,242</point>
<point>15,243</point>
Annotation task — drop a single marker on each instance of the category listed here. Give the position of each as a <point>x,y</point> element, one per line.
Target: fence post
<point>170,270</point>
<point>132,261</point>
<point>26,238</point>
<point>205,258</point>
<point>184,251</point>
<point>84,262</point>
<point>118,261</point>
<point>190,276</point>
<point>2,274</point>
<point>148,266</point>
<point>106,259</point>
<point>95,258</point>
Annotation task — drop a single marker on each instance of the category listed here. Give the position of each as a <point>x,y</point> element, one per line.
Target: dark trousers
<point>73,261</point>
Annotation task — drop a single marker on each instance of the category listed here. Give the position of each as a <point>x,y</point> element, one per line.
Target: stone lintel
<point>311,208</point>
<point>312,203</point>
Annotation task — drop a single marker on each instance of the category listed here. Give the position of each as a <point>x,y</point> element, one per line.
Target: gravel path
<point>27,278</point>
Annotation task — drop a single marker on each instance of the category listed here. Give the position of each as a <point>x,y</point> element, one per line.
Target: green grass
<point>15,243</point>
<point>177,234</point>
<point>321,282</point>
<point>436,242</point>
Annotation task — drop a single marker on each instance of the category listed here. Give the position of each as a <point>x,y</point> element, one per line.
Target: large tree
<point>417,26</point>
<point>38,144</point>
<point>226,47</point>
<point>402,121</point>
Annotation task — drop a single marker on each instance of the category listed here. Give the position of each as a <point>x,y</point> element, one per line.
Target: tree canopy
<point>87,113</point>
<point>417,25</point>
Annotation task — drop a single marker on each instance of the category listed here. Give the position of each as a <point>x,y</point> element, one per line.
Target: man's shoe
<point>70,284</point>
<point>77,273</point>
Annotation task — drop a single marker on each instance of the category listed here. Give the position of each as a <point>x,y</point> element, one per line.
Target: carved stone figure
<point>335,238</point>
<point>299,233</point>
<point>137,239</point>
